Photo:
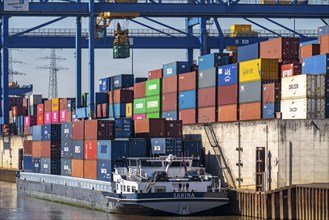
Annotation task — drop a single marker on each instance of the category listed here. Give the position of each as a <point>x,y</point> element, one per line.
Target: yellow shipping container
<point>55,104</point>
<point>129,110</point>
<point>240,28</point>
<point>259,69</point>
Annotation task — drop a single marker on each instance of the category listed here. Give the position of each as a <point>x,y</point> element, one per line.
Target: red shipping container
<point>40,109</point>
<point>105,111</point>
<point>169,84</point>
<point>40,120</point>
<point>155,74</point>
<point>207,97</point>
<point>25,103</point>
<point>291,69</point>
<point>227,95</point>
<point>27,147</point>
<point>187,81</point>
<point>99,130</point>
<point>169,101</point>
<point>154,127</point>
<point>17,111</point>
<point>207,115</point>
<point>69,117</point>
<point>271,93</point>
<point>90,149</point>
<point>77,168</point>
<point>140,90</point>
<point>48,106</point>
<point>174,128</point>
<point>27,130</point>
<point>78,130</point>
<point>324,44</point>
<point>27,120</point>
<point>55,117</point>
<point>121,96</point>
<point>36,149</point>
<point>99,111</point>
<point>90,169</point>
<point>188,116</point>
<point>139,116</point>
<point>63,103</point>
<point>47,118</point>
<point>308,51</point>
<point>63,115</point>
<point>45,150</point>
<point>228,113</point>
<point>250,111</point>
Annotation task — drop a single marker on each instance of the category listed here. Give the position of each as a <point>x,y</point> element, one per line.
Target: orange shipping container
<point>206,115</point>
<point>36,149</point>
<point>250,111</point>
<point>55,104</point>
<point>39,119</point>
<point>45,149</point>
<point>90,149</point>
<point>187,81</point>
<point>40,109</point>
<point>324,44</point>
<point>227,113</point>
<point>63,104</point>
<point>169,84</point>
<point>48,106</point>
<point>308,51</point>
<point>77,168</point>
<point>188,116</point>
<point>90,169</point>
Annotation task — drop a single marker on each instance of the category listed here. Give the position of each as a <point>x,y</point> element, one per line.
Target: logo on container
<point>152,104</point>
<point>169,71</point>
<point>242,89</point>
<point>293,109</point>
<point>103,170</point>
<point>77,149</point>
<point>156,148</point>
<point>116,82</point>
<point>247,71</point>
<point>45,166</point>
<point>153,87</point>
<point>66,167</point>
<point>140,105</point>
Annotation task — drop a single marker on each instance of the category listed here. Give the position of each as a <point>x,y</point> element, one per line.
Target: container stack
<point>187,87</point>
<point>77,133</point>
<point>47,112</point>
<point>169,102</point>
<point>139,108</point>
<point>27,156</point>
<point>55,111</point>
<point>153,98</point>
<point>67,165</point>
<point>271,100</point>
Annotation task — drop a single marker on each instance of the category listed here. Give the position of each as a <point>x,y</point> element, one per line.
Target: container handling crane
<point>121,47</point>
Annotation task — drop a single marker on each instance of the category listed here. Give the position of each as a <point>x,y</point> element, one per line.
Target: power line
<point>10,67</point>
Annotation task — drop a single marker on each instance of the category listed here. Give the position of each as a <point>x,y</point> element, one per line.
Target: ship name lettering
<point>184,195</point>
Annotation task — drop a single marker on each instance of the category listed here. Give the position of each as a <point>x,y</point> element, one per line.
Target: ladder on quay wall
<point>211,135</point>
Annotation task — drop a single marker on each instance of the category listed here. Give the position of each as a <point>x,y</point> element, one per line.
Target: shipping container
<point>170,84</point>
<point>170,115</point>
<point>36,165</point>
<point>101,98</point>
<point>67,148</point>
<point>104,150</point>
<point>303,86</point>
<point>153,115</point>
<point>316,65</point>
<point>175,68</point>
<point>154,127</point>
<point>47,118</point>
<point>71,105</point>
<point>187,81</point>
<point>90,149</point>
<point>27,164</point>
<point>250,111</point>
<point>140,79</point>
<point>207,97</point>
<point>227,95</point>
<point>138,147</point>
<point>77,168</point>
<point>36,133</point>
<point>174,128</point>
<point>40,109</point>
<point>259,69</point>
<point>207,78</point>
<point>250,92</point>
<point>213,60</point>
<point>55,104</point>
<point>124,127</point>
<point>324,44</point>
<point>139,116</point>
<point>153,104</point>
<point>207,115</point>
<point>83,113</point>
<point>291,69</point>
<point>90,169</point>
<point>78,129</point>
<point>324,30</point>
<point>153,87</point>
<point>303,108</point>
<point>27,148</point>
<point>48,106</point>
<point>192,149</point>
<point>188,116</point>
<point>308,51</point>
<point>66,167</point>
<point>270,110</point>
<point>271,92</point>
<point>63,116</point>
<point>63,103</point>
<point>129,110</point>
<point>30,120</point>
<point>228,75</point>
<point>227,113</point>
<point>122,81</point>
<point>55,117</point>
<point>99,130</point>
<point>17,111</point>
<point>50,166</point>
<point>139,106</point>
<point>51,132</point>
<point>105,84</point>
<point>121,96</point>
<point>248,52</point>
<point>50,149</point>
<point>78,150</point>
<point>34,100</point>
<point>117,110</point>
<point>105,169</point>
<point>166,146</point>
<point>139,90</point>
<point>187,100</point>
<point>169,101</point>
<point>155,74</point>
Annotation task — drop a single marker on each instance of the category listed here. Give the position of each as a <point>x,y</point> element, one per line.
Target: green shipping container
<point>153,87</point>
<point>121,51</point>
<point>153,115</point>
<point>153,104</point>
<point>140,106</point>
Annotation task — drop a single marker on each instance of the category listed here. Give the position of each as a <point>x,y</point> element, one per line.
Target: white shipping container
<point>303,108</point>
<point>35,99</point>
<point>303,86</point>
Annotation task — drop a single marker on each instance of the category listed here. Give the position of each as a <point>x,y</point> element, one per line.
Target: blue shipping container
<point>36,133</point>
<point>170,115</point>
<point>270,109</point>
<point>308,42</point>
<point>187,99</point>
<point>165,146</point>
<point>119,149</point>
<point>138,147</point>
<point>66,167</point>
<point>27,163</point>
<point>105,84</point>
<point>104,150</point>
<point>316,64</point>
<point>77,150</point>
<point>175,68</point>
<point>248,52</point>
<point>213,60</point>
<point>101,98</point>
<point>45,166</point>
<point>66,148</point>
<point>36,165</point>
<point>119,110</point>
<point>192,149</point>
<point>82,112</point>
<point>66,132</point>
<point>124,127</point>
<point>122,81</point>
<point>228,75</point>
<point>140,79</point>
<point>105,169</point>
<point>51,132</point>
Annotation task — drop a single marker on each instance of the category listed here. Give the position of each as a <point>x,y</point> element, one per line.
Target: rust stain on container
<point>187,81</point>
<point>169,101</point>
<point>207,97</point>
<point>227,94</point>
<point>77,168</point>
<point>140,90</point>
<point>155,74</point>
<point>228,113</point>
<point>271,93</point>
<point>169,84</point>
<point>90,169</point>
<point>206,115</point>
<point>36,149</point>
<point>188,116</point>
<point>250,111</point>
<point>121,96</point>
<point>78,129</point>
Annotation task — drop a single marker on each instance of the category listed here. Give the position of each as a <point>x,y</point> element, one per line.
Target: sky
<point>143,59</point>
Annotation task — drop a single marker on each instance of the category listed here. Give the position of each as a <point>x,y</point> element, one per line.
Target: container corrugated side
<point>228,74</point>
<point>153,104</point>
<point>259,69</point>
<point>227,113</point>
<point>153,87</point>
<point>303,108</point>
<point>187,99</point>
<point>207,78</point>
<point>250,111</point>
<point>316,65</point>
<point>248,52</point>
<point>175,68</point>
<point>250,92</point>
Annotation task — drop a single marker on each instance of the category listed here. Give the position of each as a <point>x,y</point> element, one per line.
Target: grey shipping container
<point>250,92</point>
<point>207,78</point>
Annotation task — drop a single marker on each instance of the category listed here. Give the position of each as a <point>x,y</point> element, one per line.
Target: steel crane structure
<point>196,12</point>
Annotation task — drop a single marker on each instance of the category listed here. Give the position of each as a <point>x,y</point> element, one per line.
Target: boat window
<point>124,188</point>
<point>133,188</point>
<point>121,188</point>
<point>128,188</point>
<point>160,189</point>
<point>117,186</point>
